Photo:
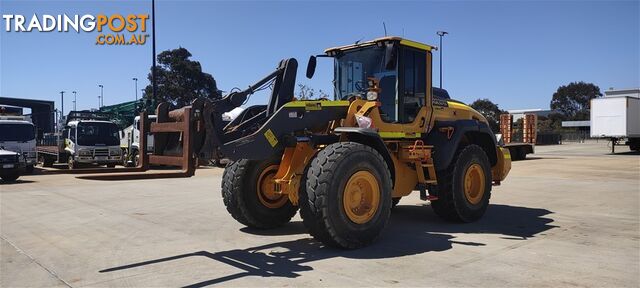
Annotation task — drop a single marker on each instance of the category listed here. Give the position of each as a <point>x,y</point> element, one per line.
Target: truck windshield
<point>17,132</point>
<point>97,133</point>
<point>353,67</point>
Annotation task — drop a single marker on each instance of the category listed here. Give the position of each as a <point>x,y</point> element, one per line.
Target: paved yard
<point>569,216</point>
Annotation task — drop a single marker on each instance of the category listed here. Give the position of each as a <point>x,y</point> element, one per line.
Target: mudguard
<point>445,148</point>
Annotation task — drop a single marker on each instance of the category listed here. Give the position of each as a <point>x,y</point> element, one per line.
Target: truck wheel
<point>464,188</point>
<point>111,165</point>
<point>10,177</point>
<point>29,169</point>
<point>46,162</point>
<point>248,193</point>
<point>346,200</point>
<point>72,164</point>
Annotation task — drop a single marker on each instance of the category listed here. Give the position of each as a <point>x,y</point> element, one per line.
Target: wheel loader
<point>345,162</point>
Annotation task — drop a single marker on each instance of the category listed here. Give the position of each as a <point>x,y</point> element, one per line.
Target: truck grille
<point>8,159</point>
<point>101,152</point>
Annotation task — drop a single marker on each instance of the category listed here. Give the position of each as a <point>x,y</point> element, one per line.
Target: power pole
<point>101,98</point>
<point>61,105</point>
<point>153,33</point>
<point>136,80</point>
<point>74,100</point>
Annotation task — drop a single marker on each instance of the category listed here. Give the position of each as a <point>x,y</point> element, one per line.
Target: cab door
<point>413,102</point>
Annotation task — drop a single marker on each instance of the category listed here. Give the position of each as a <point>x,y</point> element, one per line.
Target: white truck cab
<point>130,142</point>
<point>92,142</point>
<point>18,134</point>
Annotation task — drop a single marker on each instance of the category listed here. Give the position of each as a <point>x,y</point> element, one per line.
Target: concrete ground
<point>569,216</point>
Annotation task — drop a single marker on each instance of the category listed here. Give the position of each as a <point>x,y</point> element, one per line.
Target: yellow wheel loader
<point>346,162</point>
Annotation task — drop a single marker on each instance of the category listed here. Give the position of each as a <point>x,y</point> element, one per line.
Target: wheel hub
<point>361,197</point>
<point>474,182</point>
<point>266,190</point>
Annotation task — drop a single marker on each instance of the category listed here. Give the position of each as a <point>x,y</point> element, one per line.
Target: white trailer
<point>617,119</point>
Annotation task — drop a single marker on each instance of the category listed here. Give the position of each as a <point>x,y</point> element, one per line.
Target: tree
<point>306,93</point>
<point>551,124</point>
<point>489,110</point>
<point>180,80</point>
<point>573,100</point>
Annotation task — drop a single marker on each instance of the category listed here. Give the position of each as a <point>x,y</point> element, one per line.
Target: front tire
<point>71,164</point>
<point>248,194</point>
<point>346,200</point>
<point>464,188</point>
<point>12,177</point>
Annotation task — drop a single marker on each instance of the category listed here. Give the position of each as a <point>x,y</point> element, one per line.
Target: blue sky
<point>515,53</point>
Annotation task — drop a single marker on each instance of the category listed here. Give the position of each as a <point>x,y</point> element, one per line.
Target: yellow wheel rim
<point>474,183</point>
<point>266,190</point>
<point>361,197</point>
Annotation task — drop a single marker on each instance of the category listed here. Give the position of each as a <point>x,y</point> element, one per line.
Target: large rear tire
<point>346,200</point>
<point>464,188</point>
<point>249,197</point>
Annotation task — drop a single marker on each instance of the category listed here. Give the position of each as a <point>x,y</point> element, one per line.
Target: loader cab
<point>401,69</point>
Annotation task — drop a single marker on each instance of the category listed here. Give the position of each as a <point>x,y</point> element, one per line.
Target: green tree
<point>573,100</point>
<point>180,80</point>
<point>305,93</point>
<point>489,110</point>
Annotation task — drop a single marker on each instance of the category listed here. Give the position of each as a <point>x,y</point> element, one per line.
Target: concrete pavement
<point>569,216</point>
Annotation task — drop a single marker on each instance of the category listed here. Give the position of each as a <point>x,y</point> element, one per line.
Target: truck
<point>520,137</point>
<point>12,165</point>
<point>343,162</point>
<point>616,118</point>
<point>86,138</point>
<point>17,134</point>
<point>130,142</point>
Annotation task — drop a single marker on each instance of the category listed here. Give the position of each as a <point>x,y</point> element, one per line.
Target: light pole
<point>153,35</point>
<point>61,105</point>
<point>74,100</point>
<point>441,34</point>
<point>101,98</point>
<point>136,80</point>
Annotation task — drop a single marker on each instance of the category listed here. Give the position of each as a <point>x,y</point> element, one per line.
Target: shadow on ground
<point>19,181</point>
<point>411,230</point>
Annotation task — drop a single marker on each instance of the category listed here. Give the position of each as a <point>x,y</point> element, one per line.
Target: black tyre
<point>46,161</point>
<point>249,197</point>
<point>72,164</point>
<point>29,169</point>
<point>12,177</point>
<point>112,165</point>
<point>464,188</point>
<point>395,201</point>
<point>346,201</point>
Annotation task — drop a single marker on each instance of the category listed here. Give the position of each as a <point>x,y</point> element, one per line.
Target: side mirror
<point>311,67</point>
<point>390,53</point>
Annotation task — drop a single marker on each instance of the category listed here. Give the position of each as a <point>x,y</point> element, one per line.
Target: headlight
<point>84,152</point>
<point>372,96</point>
<point>114,152</point>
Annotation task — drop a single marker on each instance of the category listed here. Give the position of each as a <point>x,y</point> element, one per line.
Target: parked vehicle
<point>130,142</point>
<point>17,134</point>
<point>343,162</point>
<point>12,165</point>
<point>87,138</point>
<point>618,119</point>
<point>520,140</point>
